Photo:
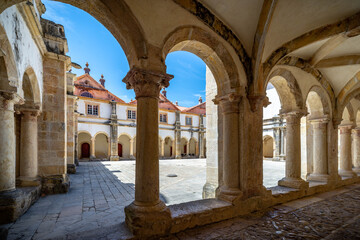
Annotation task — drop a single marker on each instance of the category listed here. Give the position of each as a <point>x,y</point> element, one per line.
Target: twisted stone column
<point>29,148</point>
<point>320,160</point>
<point>230,190</point>
<point>7,141</point>
<point>147,213</point>
<point>345,151</point>
<point>292,177</point>
<point>357,150</point>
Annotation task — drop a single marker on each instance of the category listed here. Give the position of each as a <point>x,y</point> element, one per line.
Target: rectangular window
<point>188,121</point>
<point>93,110</point>
<point>163,118</point>
<point>131,114</point>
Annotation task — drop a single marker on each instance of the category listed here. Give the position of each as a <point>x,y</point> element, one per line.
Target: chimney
<point>102,80</point>
<point>164,92</point>
<point>87,69</point>
<point>176,103</point>
<point>200,100</point>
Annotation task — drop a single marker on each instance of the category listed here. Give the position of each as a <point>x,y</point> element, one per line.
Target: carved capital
<point>319,123</point>
<point>346,129</point>
<point>146,83</point>
<point>9,99</point>
<point>258,101</point>
<point>229,102</point>
<point>293,117</point>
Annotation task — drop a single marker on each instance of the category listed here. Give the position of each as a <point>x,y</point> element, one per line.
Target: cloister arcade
<point>312,62</point>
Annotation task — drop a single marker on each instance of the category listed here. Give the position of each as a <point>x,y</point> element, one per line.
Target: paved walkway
<point>99,192</point>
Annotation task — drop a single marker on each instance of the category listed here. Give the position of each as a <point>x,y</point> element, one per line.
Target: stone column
<point>293,152</point>
<point>177,136</point>
<point>163,148</point>
<point>345,151</point>
<point>187,148</point>
<point>114,155</point>
<point>147,213</point>
<point>357,150</point>
<point>132,149</point>
<point>7,141</point>
<point>173,149</point>
<point>29,148</point>
<point>320,160</point>
<point>230,190</point>
<point>92,148</point>
<point>277,139</point>
<point>201,138</point>
<point>282,143</point>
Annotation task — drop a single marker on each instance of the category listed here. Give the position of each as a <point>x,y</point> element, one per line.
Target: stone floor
<point>94,206</point>
<point>331,215</point>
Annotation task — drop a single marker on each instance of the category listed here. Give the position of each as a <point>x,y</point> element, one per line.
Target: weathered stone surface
<point>15,203</point>
<point>55,184</point>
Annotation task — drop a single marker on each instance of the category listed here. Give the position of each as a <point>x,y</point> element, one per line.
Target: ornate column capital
<point>320,122</point>
<point>8,99</point>
<point>346,128</point>
<point>229,102</point>
<point>258,101</point>
<point>293,116</point>
<point>146,83</point>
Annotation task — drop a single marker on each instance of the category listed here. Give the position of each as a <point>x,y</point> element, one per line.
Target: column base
<point>132,157</point>
<point>28,181</point>
<point>92,157</point>
<point>318,177</point>
<point>15,203</point>
<point>229,194</point>
<point>296,183</point>
<point>55,184</point>
<point>71,168</point>
<point>209,190</point>
<point>347,173</point>
<point>76,161</point>
<point>148,220</point>
<point>114,158</point>
<point>178,157</point>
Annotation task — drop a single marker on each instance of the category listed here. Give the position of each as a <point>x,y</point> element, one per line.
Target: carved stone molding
<point>146,83</point>
<point>293,117</point>
<point>8,99</point>
<point>257,102</point>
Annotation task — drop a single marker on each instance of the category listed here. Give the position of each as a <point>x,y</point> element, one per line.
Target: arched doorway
<point>85,150</point>
<point>268,147</point>
<point>84,137</point>
<point>120,149</point>
<point>101,146</point>
<point>124,141</point>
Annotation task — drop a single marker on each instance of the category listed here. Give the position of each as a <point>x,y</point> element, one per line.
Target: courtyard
<point>101,189</point>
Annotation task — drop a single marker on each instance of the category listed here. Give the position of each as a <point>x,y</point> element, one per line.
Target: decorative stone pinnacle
<point>146,83</point>
<point>87,69</point>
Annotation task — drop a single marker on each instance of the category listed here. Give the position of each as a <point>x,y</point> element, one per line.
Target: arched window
<point>87,94</point>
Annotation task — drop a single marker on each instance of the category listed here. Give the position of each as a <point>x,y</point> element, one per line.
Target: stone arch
<point>9,78</point>
<point>268,146</point>
<point>124,139</point>
<point>346,102</point>
<point>227,73</point>
<point>168,147</point>
<point>101,145</point>
<point>318,103</point>
<point>287,88</point>
<point>184,142</point>
<point>117,17</point>
<point>84,137</point>
<point>348,115</point>
<point>193,147</point>
<point>30,88</point>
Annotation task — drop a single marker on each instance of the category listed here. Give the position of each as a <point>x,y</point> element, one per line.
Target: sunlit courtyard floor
<point>100,190</point>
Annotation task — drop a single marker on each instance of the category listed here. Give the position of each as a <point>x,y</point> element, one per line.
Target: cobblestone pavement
<point>99,192</point>
<point>332,215</point>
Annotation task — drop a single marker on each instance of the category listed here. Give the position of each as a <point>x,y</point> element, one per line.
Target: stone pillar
<point>70,108</point>
<point>293,152</point>
<point>163,148</point>
<point>7,141</point>
<point>132,149</point>
<point>187,148</point>
<point>201,138</point>
<point>320,149</point>
<point>29,148</point>
<point>282,143</point>
<point>357,150</point>
<point>76,140</point>
<point>277,139</point>
<point>92,148</point>
<point>345,151</point>
<point>177,149</point>
<point>114,155</point>
<point>231,155</point>
<point>147,214</point>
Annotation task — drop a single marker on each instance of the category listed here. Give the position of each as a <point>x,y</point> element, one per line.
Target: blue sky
<point>89,41</point>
